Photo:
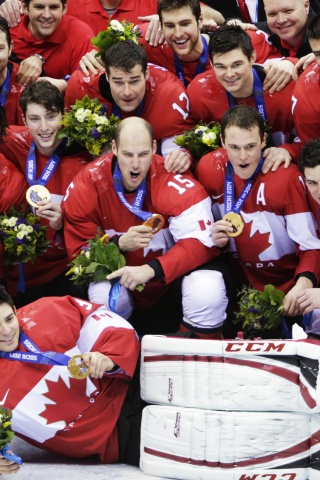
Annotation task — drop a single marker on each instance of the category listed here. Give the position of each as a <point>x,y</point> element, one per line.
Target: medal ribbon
<point>5,89</point>
<point>47,358</point>
<point>201,64</point>
<point>13,457</point>
<point>118,113</point>
<point>48,170</point>
<point>257,94</point>
<point>135,208</point>
<point>229,204</point>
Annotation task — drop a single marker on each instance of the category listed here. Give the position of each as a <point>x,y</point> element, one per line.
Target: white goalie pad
<point>263,375</point>
<point>193,444</point>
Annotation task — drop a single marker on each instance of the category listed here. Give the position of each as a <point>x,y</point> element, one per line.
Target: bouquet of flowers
<point>23,237</point>
<point>95,262</point>
<point>259,312</point>
<point>6,435</point>
<point>116,32</point>
<point>201,139</point>
<point>88,124</point>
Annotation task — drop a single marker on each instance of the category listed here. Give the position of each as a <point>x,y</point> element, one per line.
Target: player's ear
<point>114,148</point>
<point>154,147</point>
<point>264,140</point>
<point>147,75</point>
<point>24,120</point>
<point>221,140</point>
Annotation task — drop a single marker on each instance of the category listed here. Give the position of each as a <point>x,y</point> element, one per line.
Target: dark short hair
<point>169,5</point>
<point>27,2</point>
<point>244,117</point>
<point>313,28</point>
<point>228,38</point>
<point>125,56</point>
<point>4,27</point>
<point>119,128</point>
<point>42,93</point>
<point>5,297</point>
<point>310,155</point>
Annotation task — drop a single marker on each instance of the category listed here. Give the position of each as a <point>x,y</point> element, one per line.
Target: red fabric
<point>278,240</point>
<point>15,147</point>
<point>306,103</point>
<point>93,13</point>
<point>164,92</point>
<point>50,409</point>
<point>244,11</point>
<point>93,197</point>
<point>62,50</point>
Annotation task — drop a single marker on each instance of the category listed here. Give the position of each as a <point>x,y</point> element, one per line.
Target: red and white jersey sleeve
<point>279,238</point>
<point>181,245</point>
<point>54,411</point>
<point>264,49</point>
<point>13,186</point>
<point>306,104</point>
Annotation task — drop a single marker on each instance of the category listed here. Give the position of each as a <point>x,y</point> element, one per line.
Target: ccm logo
<point>254,347</point>
<point>270,476</point>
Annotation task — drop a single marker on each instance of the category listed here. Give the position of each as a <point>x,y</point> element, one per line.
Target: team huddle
<point>246,213</point>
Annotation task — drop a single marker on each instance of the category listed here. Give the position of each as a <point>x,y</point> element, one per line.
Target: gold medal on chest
<point>36,194</point>
<point>156,222</point>
<point>236,221</point>
<point>77,368</point>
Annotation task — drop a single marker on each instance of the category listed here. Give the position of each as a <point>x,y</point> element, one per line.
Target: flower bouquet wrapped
<point>96,261</point>
<point>6,435</point>
<point>88,124</point>
<point>200,140</point>
<point>23,237</point>
<point>116,32</point>
<point>259,312</point>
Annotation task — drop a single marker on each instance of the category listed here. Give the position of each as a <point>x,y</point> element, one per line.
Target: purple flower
<point>95,133</point>
<point>21,241</point>
<point>103,109</point>
<point>253,310</point>
<point>199,133</point>
<point>36,226</point>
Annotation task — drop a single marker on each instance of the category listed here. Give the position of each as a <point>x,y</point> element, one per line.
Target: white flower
<point>102,120</point>
<point>22,226</point>
<point>212,136</point>
<point>116,26</point>
<point>21,234</point>
<point>4,221</point>
<point>80,116</point>
<point>88,255</point>
<point>12,221</point>
<point>29,229</point>
<point>76,270</point>
<point>95,117</point>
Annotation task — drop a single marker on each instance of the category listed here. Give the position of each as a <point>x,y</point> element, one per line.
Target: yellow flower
<point>6,424</point>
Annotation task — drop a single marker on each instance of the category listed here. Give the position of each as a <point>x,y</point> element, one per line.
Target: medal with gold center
<point>77,368</point>
<point>155,222</point>
<point>236,222</point>
<point>37,193</point>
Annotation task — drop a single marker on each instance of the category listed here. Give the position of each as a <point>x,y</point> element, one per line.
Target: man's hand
<point>98,363</point>
<point>177,161</point>
<point>244,26</point>
<point>154,34</point>
<point>8,466</point>
<point>302,64</point>
<point>209,25</point>
<point>219,233</point>
<point>290,303</point>
<point>279,74</point>
<point>59,83</point>
<point>29,71</point>
<point>52,212</point>
<point>273,157</point>
<point>12,10</point>
<point>309,300</point>
<point>130,277</point>
<point>136,237</point>
<point>90,64</point>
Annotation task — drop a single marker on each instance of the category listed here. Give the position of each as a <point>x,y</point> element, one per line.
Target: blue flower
<point>95,133</point>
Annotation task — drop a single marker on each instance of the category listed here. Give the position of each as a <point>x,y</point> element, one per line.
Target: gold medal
<point>36,194</point>
<point>236,222</point>
<point>76,369</point>
<point>156,222</point>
